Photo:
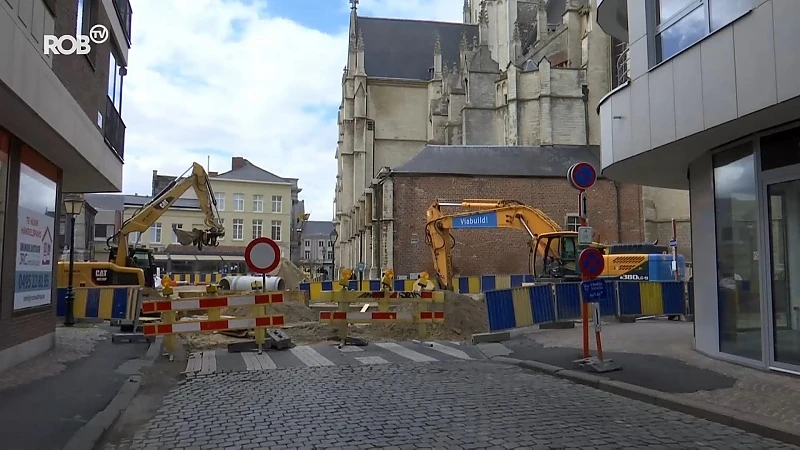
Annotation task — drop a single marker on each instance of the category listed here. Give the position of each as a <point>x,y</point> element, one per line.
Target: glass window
<point>780,149</point>
<point>35,233</point>
<point>84,23</point>
<point>4,144</point>
<point>736,211</point>
<point>723,12</point>
<point>238,229</point>
<point>156,232</point>
<point>276,230</point>
<point>114,81</point>
<point>220,196</point>
<point>238,202</point>
<point>258,226</point>
<point>277,204</point>
<point>681,34</point>
<point>258,203</point>
<point>681,23</point>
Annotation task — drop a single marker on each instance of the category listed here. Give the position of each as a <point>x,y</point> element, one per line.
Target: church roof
<point>499,160</point>
<point>401,48</point>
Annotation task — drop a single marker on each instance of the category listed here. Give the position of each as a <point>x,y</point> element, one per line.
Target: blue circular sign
<point>591,263</point>
<point>582,175</point>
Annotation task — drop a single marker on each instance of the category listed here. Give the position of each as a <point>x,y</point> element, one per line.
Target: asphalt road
<point>469,404</point>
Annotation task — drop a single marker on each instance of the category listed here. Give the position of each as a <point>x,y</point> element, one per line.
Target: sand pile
<point>291,274</point>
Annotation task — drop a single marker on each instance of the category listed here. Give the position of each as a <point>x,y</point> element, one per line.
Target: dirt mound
<point>291,274</point>
<point>292,312</point>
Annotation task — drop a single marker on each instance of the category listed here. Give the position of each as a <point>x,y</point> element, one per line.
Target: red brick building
<point>535,176</point>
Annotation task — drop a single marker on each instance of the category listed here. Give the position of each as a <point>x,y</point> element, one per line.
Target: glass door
<point>783,233</point>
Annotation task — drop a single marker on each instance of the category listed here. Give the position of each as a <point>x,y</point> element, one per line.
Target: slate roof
<point>141,200</point>
<point>498,160</point>
<point>251,172</point>
<point>401,48</point>
<point>317,228</point>
<point>105,202</point>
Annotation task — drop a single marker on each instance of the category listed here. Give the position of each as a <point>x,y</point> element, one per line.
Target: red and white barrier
<point>217,302</point>
<point>213,325</point>
<point>336,316</point>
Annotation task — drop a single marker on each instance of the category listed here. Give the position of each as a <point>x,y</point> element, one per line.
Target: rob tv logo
<point>67,45</point>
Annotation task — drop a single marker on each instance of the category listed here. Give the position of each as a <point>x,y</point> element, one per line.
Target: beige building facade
<point>517,74</point>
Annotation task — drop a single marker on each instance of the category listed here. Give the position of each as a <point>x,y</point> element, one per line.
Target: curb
<point>89,435</point>
<point>744,421</point>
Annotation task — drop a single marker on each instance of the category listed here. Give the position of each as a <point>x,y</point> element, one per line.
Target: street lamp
<point>334,236</point>
<point>73,206</point>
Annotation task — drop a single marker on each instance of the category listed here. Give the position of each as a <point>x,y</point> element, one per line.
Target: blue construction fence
<point>555,302</point>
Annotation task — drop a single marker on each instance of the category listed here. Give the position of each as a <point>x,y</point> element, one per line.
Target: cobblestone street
<point>458,405</point>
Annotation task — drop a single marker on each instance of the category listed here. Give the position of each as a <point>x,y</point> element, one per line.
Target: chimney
<point>237,162</point>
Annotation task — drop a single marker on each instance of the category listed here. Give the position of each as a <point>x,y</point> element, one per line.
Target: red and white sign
<point>262,255</point>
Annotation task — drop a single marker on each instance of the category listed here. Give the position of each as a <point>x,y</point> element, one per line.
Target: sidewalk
<point>47,399</point>
<point>658,355</point>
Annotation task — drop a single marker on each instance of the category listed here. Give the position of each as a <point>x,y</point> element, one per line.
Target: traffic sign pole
<point>584,305</point>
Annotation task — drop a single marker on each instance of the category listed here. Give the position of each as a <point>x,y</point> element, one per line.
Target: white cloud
<point>225,75</point>
<point>269,95</point>
<point>441,10</point>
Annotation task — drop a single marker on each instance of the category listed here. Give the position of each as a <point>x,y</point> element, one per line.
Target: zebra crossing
<point>329,354</point>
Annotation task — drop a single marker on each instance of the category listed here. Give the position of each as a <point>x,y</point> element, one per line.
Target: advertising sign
<point>34,260</point>
<point>479,220</point>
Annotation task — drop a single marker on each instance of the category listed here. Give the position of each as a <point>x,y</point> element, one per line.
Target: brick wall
<point>84,76</point>
<point>27,326</point>
<point>502,251</point>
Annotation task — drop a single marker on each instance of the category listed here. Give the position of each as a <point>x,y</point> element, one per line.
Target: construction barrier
<point>169,326</point>
<point>421,316</point>
<point>532,305</point>
<point>201,278</point>
<point>463,285</point>
<point>101,302</point>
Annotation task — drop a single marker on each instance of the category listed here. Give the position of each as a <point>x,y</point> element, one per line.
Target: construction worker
<point>387,280</point>
<point>344,282</point>
<point>423,283</point>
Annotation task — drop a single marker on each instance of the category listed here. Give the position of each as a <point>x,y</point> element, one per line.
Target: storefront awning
<point>183,257</point>
<point>161,257</point>
<point>209,258</point>
<point>233,258</point>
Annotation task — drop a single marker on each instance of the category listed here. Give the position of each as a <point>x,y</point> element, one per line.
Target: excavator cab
<point>141,258</point>
<point>557,258</point>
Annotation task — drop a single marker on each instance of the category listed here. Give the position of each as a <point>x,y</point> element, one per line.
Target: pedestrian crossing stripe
<point>325,355</point>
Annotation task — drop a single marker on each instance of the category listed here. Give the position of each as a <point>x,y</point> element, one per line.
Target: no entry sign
<point>262,255</point>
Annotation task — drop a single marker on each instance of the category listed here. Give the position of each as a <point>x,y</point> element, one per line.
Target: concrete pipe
<point>245,283</point>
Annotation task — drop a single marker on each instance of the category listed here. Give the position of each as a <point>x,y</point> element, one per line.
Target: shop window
<point>35,231</point>
<point>780,149</point>
<point>736,208</point>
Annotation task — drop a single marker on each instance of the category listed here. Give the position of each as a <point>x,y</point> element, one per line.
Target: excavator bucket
<point>187,237</point>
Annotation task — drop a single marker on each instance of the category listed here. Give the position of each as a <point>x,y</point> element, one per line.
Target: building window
<point>276,230</point>
<point>736,212</point>
<point>4,147</point>
<point>84,23</point>
<point>277,204</point>
<point>220,197</point>
<point>101,231</point>
<point>330,244</point>
<point>35,235</point>
<point>156,228</point>
<point>222,224</point>
<point>238,229</point>
<point>258,228</point>
<point>321,244</point>
<point>572,222</point>
<point>258,203</point>
<point>307,243</point>
<point>114,81</point>
<point>178,226</point>
<point>238,202</point>
<point>681,23</point>
<point>133,238</point>
<point>330,256</point>
<point>307,255</point>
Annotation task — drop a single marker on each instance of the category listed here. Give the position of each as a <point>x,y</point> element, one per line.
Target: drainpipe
<point>585,92</point>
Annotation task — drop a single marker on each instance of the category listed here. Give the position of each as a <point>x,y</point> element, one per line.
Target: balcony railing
<point>622,63</point>
<point>114,129</point>
<point>123,8</point>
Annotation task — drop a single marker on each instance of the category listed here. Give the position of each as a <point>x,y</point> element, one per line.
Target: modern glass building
<point>710,102</point>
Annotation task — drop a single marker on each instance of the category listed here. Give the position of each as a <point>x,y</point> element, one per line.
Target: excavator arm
<point>145,217</point>
<point>482,214</point>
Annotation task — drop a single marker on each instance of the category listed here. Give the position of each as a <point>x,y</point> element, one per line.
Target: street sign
<point>585,235</point>
<point>593,291</point>
<point>361,266</point>
<point>478,220</point>
<point>591,263</point>
<point>262,255</point>
<point>673,242</point>
<point>582,175</point>
<point>583,206</point>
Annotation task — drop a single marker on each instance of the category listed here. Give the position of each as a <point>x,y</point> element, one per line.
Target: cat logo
<point>163,204</point>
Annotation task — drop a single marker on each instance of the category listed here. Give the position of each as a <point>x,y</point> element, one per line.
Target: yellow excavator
<point>132,264</point>
<point>553,252</point>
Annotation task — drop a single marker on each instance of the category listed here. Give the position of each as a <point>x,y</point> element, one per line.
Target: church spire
<point>360,41</point>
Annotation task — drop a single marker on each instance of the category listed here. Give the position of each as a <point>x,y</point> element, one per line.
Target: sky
<point>259,79</point>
